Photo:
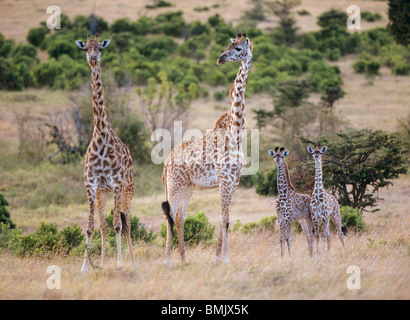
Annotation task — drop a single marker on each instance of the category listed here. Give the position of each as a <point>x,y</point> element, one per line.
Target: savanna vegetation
<point>161,67</point>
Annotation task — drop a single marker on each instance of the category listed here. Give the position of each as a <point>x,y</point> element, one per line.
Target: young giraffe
<point>216,160</point>
<point>290,204</point>
<point>324,206</point>
<point>108,164</point>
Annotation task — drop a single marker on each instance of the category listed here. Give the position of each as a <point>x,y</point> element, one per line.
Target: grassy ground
<point>256,271</point>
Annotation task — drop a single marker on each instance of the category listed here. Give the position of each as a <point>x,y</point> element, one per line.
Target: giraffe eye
<point>238,48</point>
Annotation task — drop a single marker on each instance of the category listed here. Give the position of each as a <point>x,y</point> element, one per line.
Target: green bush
<point>197,229</point>
<point>401,69</point>
<point>352,219</point>
<point>366,64</point>
<point>266,223</point>
<point>220,95</point>
<point>138,230</point>
<point>9,238</point>
<point>5,213</point>
<point>369,16</point>
<point>267,185</point>
<point>48,241</point>
<point>36,36</point>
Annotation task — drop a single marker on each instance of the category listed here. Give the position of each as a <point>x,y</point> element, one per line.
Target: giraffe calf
<point>290,205</point>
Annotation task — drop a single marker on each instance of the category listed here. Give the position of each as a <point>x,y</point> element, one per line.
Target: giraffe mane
<point>231,91</point>
<point>221,120</point>
<point>288,177</point>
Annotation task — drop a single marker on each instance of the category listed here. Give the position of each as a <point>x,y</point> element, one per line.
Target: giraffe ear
<point>80,44</point>
<point>233,39</point>
<point>271,153</point>
<point>324,149</point>
<point>105,43</point>
<point>286,153</point>
<point>309,149</point>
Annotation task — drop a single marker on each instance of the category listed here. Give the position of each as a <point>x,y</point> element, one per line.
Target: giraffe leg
<point>329,239</point>
<point>125,217</point>
<point>337,220</point>
<point>307,227</point>
<point>316,233</point>
<point>101,201</point>
<point>181,218</point>
<point>226,197</point>
<point>174,199</point>
<point>91,195</point>
<point>288,240</point>
<point>117,223</point>
<point>282,239</point>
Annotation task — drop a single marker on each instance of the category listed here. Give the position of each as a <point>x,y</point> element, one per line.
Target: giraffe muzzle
<point>221,60</point>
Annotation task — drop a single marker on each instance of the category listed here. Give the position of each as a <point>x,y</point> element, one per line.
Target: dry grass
<point>256,271</point>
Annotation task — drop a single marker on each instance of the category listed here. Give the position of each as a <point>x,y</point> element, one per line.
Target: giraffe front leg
<point>101,201</point>
<point>307,227</point>
<point>117,224</point>
<point>316,233</point>
<point>225,197</point>
<point>91,195</point>
<point>126,218</point>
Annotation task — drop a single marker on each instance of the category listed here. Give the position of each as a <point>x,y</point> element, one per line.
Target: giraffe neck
<point>318,177</point>
<point>238,94</point>
<point>100,116</point>
<point>283,180</point>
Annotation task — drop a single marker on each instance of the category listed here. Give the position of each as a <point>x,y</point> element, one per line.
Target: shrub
<point>9,238</point>
<point>36,36</point>
<point>352,219</point>
<point>266,223</point>
<point>401,69</point>
<point>131,130</point>
<point>48,241</point>
<point>59,47</point>
<point>332,18</point>
<point>121,25</point>
<point>267,185</point>
<point>5,213</point>
<point>158,4</point>
<point>219,95</point>
<point>138,230</point>
<point>369,16</point>
<point>197,229</point>
<point>366,64</point>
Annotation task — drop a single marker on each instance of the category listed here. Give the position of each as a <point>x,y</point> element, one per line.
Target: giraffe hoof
<point>120,265</point>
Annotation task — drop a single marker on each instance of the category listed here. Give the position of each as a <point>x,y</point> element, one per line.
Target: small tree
<point>286,32</point>
<point>5,213</point>
<point>162,104</point>
<point>359,163</point>
<point>399,20</point>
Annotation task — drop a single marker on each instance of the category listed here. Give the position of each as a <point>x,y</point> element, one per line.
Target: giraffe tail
<point>344,230</point>
<point>167,209</point>
<point>124,229</point>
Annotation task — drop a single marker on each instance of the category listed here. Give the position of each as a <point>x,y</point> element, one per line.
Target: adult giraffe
<point>213,161</point>
<point>108,164</point>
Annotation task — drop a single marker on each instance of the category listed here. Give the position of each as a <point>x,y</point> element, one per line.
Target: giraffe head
<point>239,49</point>
<point>278,155</point>
<point>93,49</point>
<point>317,151</point>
